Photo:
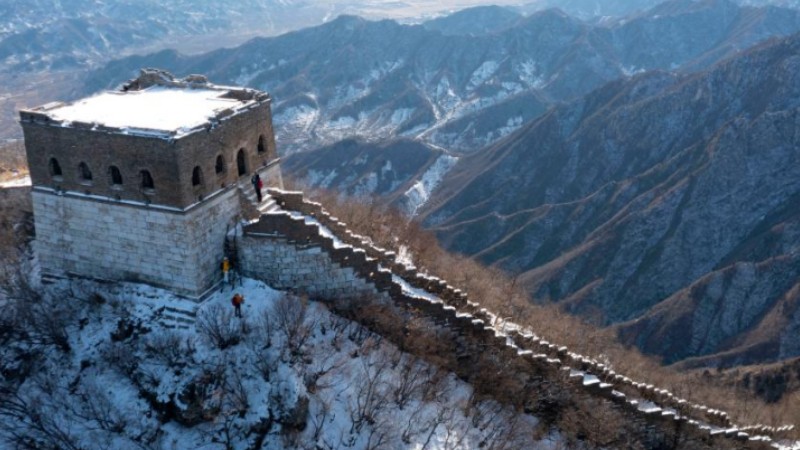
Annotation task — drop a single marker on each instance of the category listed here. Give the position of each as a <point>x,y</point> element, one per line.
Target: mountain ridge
<point>611,220</point>
<point>409,81</point>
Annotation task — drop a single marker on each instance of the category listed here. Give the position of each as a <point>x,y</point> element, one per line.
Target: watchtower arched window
<point>55,168</point>
<point>262,148</point>
<point>115,176</point>
<point>241,163</point>
<point>197,176</point>
<point>146,180</point>
<point>83,172</point>
<point>219,166</point>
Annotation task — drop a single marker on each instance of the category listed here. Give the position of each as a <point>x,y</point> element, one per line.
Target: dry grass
<point>502,294</point>
<point>12,160</point>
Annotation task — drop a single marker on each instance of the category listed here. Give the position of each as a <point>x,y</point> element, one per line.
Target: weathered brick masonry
<point>114,241</point>
<point>293,265</point>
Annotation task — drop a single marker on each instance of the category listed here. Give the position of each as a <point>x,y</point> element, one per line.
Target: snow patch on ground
<point>301,118</point>
<point>482,74</point>
<point>631,71</point>
<point>366,186</point>
<point>420,192</point>
<point>321,178</point>
<point>530,75</point>
<point>17,182</point>
<point>400,116</point>
<point>291,375</point>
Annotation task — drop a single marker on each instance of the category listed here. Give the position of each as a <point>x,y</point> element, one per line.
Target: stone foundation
<point>178,250</point>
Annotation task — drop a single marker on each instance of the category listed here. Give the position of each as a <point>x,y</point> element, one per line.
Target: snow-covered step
<point>48,279</point>
<point>177,318</point>
<point>268,205</point>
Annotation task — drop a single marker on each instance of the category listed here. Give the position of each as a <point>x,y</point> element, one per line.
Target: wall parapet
<point>307,224</point>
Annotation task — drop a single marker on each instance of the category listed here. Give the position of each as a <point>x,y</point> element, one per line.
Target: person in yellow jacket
<point>226,268</point>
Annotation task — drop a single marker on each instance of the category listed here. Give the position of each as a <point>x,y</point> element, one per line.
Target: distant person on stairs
<point>237,301</point>
<point>257,185</point>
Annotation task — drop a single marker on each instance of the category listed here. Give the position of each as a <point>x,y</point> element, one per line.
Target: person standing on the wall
<point>237,301</point>
<point>257,185</point>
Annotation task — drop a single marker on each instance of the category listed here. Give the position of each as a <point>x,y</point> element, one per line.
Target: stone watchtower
<point>141,184</point>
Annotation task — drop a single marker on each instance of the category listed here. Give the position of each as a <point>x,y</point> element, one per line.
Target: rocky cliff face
<point>671,199</point>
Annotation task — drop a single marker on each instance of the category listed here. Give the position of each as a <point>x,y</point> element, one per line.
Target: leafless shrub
<point>96,407</point>
<point>321,366</point>
<point>218,326</point>
<point>454,431</point>
<point>289,316</point>
<point>412,376</point>
<point>498,424</point>
<point>120,357</point>
<point>235,393</point>
<point>171,348</point>
<point>264,329</point>
<point>41,320</point>
<point>29,419</point>
<point>416,423</point>
<point>372,392</point>
<point>319,418</point>
<point>443,414</point>
<point>12,159</point>
<point>380,434</point>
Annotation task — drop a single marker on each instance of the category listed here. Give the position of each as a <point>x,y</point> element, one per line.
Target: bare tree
<point>41,320</point>
<point>217,325</point>
<point>326,363</point>
<point>379,434</point>
<point>413,374</point>
<point>96,407</point>
<point>235,399</point>
<point>442,413</point>
<point>417,423</point>
<point>455,431</point>
<point>29,420</point>
<point>170,347</point>
<point>319,417</point>
<point>372,392</point>
<point>289,316</point>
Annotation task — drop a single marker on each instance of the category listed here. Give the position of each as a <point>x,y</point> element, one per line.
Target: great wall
<point>297,245</point>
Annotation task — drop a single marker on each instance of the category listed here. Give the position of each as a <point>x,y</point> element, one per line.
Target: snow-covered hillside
<point>98,366</point>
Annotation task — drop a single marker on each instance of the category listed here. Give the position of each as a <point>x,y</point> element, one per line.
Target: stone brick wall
<point>475,334</point>
<point>99,150</point>
<point>91,237</point>
<point>294,266</point>
<point>226,139</point>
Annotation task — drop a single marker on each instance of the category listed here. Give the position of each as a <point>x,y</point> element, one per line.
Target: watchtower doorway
<point>241,163</point>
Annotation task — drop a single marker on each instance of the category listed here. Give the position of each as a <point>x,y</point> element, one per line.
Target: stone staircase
<point>176,318</point>
<point>267,204</point>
